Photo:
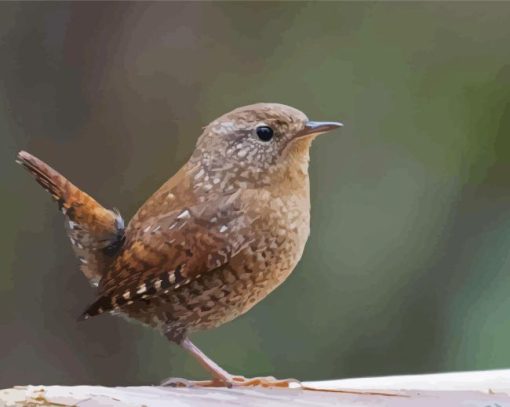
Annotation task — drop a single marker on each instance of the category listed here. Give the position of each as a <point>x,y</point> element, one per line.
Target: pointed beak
<point>317,128</point>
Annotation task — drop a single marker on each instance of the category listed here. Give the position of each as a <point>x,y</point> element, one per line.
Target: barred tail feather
<point>95,232</point>
<point>47,177</point>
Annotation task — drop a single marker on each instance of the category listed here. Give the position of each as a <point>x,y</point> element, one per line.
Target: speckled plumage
<point>218,236</point>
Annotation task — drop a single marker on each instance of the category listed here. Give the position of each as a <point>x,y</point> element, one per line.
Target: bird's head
<point>254,145</point>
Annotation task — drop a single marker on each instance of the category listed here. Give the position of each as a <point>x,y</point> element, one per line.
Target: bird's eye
<point>265,133</point>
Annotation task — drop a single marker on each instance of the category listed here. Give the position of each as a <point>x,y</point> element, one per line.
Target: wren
<point>213,241</point>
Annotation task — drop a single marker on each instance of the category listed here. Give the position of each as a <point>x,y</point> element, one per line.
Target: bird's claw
<point>267,382</point>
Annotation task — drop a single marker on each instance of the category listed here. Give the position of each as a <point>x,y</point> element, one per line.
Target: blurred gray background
<point>407,268</point>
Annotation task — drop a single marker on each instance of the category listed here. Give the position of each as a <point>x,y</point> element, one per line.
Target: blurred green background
<point>407,268</point>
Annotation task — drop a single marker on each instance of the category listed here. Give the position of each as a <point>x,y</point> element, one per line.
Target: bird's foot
<point>235,381</point>
<point>268,382</point>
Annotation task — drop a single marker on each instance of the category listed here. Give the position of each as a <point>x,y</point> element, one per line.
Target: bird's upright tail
<point>96,233</point>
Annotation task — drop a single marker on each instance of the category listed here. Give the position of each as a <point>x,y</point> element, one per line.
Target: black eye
<point>264,133</point>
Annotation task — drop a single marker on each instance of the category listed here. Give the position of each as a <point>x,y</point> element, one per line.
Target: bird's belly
<point>249,278</point>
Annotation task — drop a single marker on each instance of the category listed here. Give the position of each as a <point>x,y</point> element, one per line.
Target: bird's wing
<point>169,251</point>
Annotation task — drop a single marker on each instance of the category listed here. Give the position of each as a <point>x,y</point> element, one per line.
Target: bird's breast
<point>278,238</point>
<point>274,230</point>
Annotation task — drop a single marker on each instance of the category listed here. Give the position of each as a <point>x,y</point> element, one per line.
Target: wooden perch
<point>484,389</point>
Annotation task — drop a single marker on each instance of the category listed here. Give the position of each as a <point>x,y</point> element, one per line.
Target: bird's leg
<point>221,378</point>
<point>219,374</point>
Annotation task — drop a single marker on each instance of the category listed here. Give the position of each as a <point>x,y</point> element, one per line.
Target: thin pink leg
<point>220,376</point>
<point>212,367</point>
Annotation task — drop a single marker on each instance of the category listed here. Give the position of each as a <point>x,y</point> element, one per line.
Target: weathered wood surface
<point>483,389</point>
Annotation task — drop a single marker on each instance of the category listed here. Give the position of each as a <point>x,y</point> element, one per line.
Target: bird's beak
<point>316,128</point>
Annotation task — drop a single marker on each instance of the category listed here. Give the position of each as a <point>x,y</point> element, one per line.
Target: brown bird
<point>213,241</point>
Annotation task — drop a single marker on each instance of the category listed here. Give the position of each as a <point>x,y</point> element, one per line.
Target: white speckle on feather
<point>171,277</point>
<point>126,295</point>
<point>184,215</point>
<point>223,228</point>
<point>157,284</point>
<point>141,289</point>
<point>199,174</point>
